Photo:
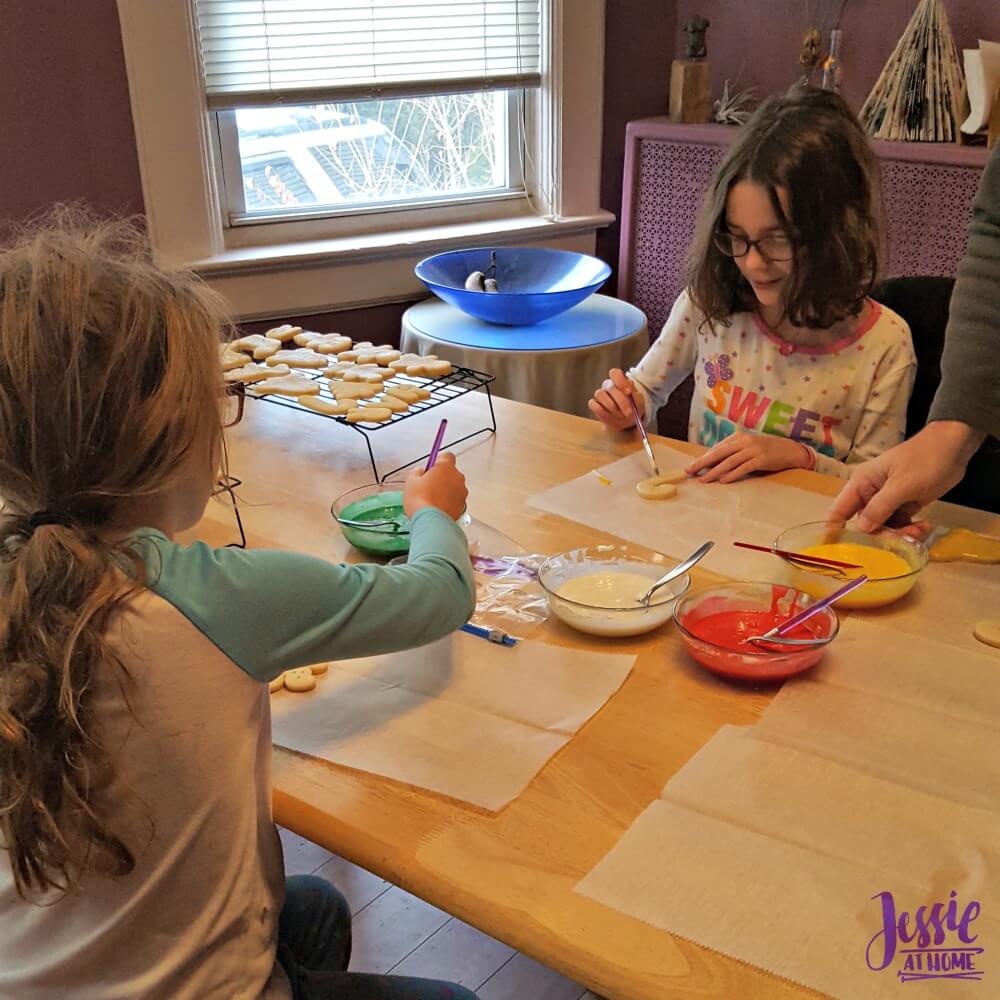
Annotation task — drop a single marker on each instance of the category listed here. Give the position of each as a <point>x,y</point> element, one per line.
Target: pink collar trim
<point>786,348</point>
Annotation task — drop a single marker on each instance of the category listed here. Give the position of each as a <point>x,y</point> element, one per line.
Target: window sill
<point>318,276</point>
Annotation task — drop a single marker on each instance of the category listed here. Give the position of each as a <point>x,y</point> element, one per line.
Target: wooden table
<point>511,874</point>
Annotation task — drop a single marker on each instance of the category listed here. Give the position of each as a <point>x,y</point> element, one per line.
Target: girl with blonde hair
<point>138,857</point>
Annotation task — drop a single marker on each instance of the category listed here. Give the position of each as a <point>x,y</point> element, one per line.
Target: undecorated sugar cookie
<point>365,373</point>
<point>299,357</point>
<point>393,403</point>
<point>369,415</point>
<point>353,390</point>
<point>277,684</point>
<point>284,333</point>
<point>338,369</point>
<point>300,679</point>
<point>319,668</point>
<point>988,631</point>
<point>251,373</point>
<point>325,343</point>
<point>436,368</point>
<point>231,358</point>
<point>660,487</point>
<point>429,368</point>
<point>333,408</point>
<point>410,393</point>
<point>290,385</point>
<point>366,347</point>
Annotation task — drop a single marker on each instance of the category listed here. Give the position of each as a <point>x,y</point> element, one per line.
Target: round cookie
<point>319,668</point>
<point>988,631</point>
<point>300,679</point>
<point>277,684</point>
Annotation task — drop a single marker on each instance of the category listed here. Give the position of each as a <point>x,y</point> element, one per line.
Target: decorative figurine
<point>810,54</point>
<point>695,30</point>
<point>690,82</point>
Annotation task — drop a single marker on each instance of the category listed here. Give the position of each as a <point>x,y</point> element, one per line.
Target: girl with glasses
<point>794,365</point>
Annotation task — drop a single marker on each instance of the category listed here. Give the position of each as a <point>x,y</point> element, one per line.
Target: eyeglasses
<point>773,248</point>
<point>232,409</point>
<point>226,490</point>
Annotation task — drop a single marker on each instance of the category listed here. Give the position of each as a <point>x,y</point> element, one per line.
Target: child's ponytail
<point>62,587</point>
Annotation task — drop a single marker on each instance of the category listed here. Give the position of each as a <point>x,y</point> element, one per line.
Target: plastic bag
<point>508,594</point>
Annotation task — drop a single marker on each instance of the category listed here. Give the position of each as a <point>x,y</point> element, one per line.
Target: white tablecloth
<point>556,364</point>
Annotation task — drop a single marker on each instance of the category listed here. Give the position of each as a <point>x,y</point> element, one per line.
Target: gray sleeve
<point>970,367</point>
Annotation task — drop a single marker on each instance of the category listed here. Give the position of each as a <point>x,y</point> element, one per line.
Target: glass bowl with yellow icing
<point>892,562</point>
<point>597,589</point>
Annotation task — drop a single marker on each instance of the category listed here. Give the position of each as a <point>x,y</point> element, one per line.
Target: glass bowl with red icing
<point>716,622</point>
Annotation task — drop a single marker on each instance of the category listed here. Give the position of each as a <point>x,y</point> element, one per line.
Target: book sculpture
<point>919,95</point>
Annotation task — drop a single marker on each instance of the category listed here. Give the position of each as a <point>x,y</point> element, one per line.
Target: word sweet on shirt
<point>730,407</point>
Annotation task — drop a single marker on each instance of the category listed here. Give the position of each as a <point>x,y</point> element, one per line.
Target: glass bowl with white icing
<point>597,589</point>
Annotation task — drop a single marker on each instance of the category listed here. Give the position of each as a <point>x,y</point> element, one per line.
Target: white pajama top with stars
<point>847,401</point>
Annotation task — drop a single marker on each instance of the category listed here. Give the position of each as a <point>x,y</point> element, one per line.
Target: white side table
<point>557,363</point>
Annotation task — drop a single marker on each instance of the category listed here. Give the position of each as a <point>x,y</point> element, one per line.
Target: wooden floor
<point>398,933</point>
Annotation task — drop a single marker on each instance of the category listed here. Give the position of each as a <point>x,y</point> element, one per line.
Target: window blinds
<point>263,52</point>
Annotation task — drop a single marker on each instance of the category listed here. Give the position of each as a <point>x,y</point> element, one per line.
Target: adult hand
<point>441,486</point>
<point>610,404</point>
<point>741,454</point>
<point>911,475</point>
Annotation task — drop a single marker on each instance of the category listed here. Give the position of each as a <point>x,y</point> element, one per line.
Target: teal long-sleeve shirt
<point>271,611</point>
<point>970,368</point>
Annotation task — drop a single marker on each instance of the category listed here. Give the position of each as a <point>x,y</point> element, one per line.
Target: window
<point>289,162</point>
<point>323,257</point>
<point>410,102</point>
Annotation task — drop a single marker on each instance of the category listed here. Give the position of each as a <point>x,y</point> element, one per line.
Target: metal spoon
<point>677,571</point>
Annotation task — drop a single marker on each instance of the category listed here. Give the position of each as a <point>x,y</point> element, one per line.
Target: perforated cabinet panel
<point>927,207</point>
<point>673,178</point>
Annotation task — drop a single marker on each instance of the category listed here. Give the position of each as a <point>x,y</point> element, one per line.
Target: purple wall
<point>67,125</point>
<point>639,41</point>
<point>758,41</point>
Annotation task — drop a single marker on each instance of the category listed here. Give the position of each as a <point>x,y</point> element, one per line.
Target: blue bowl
<point>535,283</point>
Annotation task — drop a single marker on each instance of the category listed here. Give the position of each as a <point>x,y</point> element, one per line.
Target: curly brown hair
<point>809,143</point>
<point>109,387</point>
